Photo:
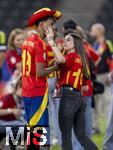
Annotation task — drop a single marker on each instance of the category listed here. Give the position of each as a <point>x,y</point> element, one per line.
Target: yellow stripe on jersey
<point>68,75</point>
<point>52,75</point>
<point>50,54</point>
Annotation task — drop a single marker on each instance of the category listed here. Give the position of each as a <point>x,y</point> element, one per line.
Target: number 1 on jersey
<point>26,63</point>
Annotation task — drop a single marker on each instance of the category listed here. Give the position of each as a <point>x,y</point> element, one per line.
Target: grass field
<point>98,139</point>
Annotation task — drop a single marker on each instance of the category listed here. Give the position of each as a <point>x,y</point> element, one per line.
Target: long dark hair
<point>80,50</point>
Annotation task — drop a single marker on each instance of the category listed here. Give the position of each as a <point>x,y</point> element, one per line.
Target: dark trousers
<point>72,115</point>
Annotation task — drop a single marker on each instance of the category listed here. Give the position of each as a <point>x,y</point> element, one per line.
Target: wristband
<point>51,43</point>
<point>9,110</point>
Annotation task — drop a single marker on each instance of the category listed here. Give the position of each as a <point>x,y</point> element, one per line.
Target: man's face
<point>94,32</point>
<point>68,43</point>
<point>49,23</point>
<point>18,40</point>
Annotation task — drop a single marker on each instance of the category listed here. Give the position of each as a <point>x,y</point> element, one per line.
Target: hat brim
<point>43,14</point>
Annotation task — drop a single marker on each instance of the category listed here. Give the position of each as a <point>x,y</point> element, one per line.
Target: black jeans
<point>72,115</point>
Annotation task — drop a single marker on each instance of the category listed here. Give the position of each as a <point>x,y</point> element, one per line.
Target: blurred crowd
<point>98,95</point>
<point>11,104</point>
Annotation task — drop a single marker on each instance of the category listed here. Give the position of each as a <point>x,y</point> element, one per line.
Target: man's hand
<point>42,71</point>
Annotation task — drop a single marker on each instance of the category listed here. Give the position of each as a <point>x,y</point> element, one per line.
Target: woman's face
<point>18,41</point>
<point>68,43</point>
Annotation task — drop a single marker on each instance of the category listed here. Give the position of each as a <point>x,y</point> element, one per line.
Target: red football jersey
<point>91,52</point>
<point>5,103</point>
<point>33,52</point>
<point>71,71</point>
<point>12,58</point>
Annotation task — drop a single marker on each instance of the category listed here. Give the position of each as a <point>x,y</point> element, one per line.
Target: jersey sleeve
<point>40,55</point>
<point>4,102</point>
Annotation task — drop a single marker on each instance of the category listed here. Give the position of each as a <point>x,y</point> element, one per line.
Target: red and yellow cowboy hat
<point>43,13</point>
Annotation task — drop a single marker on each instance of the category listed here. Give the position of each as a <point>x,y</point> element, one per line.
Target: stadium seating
<point>105,16</point>
<point>15,13</point>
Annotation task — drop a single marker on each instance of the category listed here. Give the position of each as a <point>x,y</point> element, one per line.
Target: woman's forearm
<point>50,38</point>
<point>58,55</point>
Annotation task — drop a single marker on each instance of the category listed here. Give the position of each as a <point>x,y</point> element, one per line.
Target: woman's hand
<point>50,35</point>
<point>84,88</point>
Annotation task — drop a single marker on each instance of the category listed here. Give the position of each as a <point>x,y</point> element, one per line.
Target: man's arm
<point>42,71</point>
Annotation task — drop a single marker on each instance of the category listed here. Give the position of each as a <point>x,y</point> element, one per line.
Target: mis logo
<point>35,136</point>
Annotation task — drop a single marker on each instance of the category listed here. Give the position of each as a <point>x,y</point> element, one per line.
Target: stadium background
<point>85,12</point>
<point>15,13</point>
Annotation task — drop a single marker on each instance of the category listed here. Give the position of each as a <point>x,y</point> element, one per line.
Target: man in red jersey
<point>34,68</point>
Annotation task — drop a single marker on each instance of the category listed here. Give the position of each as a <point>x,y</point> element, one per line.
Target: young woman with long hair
<point>73,68</point>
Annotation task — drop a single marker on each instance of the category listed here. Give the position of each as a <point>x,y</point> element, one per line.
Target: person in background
<point>9,86</point>
<point>15,41</point>
<point>108,140</point>
<point>13,54</point>
<point>70,24</point>
<point>11,110</point>
<point>88,88</point>
<point>11,107</point>
<point>101,46</point>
